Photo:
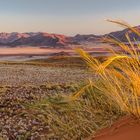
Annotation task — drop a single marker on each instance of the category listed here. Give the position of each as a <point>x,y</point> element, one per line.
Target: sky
<point>67,17</point>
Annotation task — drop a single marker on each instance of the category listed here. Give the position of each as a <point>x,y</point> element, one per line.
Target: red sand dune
<point>127,128</point>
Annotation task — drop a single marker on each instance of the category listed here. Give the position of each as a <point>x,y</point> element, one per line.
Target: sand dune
<point>127,128</point>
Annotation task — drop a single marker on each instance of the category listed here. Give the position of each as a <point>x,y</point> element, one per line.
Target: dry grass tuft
<point>114,92</point>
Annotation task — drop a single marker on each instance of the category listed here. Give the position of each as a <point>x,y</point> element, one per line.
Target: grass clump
<point>73,117</point>
<point>113,93</point>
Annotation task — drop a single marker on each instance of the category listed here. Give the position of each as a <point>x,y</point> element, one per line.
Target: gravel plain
<point>21,84</point>
<point>36,75</point>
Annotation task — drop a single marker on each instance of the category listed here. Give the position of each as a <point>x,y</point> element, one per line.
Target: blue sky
<point>66,16</point>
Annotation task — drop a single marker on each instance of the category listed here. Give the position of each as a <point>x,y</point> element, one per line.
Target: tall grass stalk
<point>119,75</point>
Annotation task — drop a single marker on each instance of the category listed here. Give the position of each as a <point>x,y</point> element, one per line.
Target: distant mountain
<point>86,38</point>
<point>56,40</point>
<point>121,35</point>
<point>11,37</point>
<point>42,39</point>
<point>34,39</point>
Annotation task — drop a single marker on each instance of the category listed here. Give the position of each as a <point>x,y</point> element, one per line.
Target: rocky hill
<point>56,40</point>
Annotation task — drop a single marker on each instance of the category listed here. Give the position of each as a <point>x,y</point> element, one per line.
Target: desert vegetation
<point>112,94</point>
<point>73,102</point>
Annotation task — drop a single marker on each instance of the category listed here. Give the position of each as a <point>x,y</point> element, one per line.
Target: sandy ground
<point>127,128</point>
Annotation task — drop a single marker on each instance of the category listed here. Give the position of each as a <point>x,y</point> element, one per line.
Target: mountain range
<point>56,40</point>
